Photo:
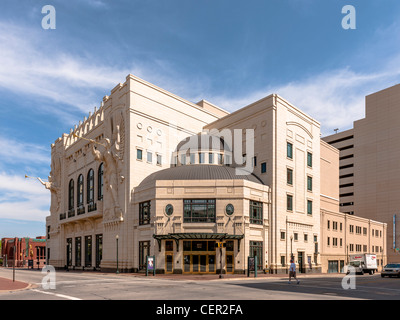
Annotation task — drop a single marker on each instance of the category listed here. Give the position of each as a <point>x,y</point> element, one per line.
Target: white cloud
<point>23,199</point>
<point>28,69</point>
<point>14,151</point>
<point>334,98</point>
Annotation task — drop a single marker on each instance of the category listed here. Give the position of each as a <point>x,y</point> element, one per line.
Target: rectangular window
<point>211,158</point>
<point>256,249</point>
<point>309,183</point>
<point>220,158</point>
<point>351,227</point>
<point>144,250</point>
<point>309,159</point>
<point>334,225</point>
<point>139,154</point>
<point>78,251</point>
<point>144,212</point>
<point>296,236</point>
<point>199,210</point>
<point>309,207</point>
<point>283,261</point>
<point>254,161</point>
<point>149,157</point>
<point>263,167</point>
<point>159,159</point>
<point>192,158</point>
<point>88,251</point>
<point>290,150</point>
<point>289,176</point>
<point>283,235</point>
<point>183,159</point>
<point>201,157</point>
<point>289,202</point>
<point>305,237</point>
<point>256,212</point>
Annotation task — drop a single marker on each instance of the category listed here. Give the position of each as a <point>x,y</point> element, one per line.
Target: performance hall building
<point>151,174</point>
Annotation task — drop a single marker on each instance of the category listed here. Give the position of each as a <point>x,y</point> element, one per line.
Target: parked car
<point>390,270</point>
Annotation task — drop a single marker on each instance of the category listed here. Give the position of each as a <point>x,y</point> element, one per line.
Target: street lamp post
<point>116,238</point>
<point>291,247</point>
<point>14,264</point>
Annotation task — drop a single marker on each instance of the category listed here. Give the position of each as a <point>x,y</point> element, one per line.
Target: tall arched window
<point>90,186</point>
<point>80,191</point>
<point>100,182</point>
<point>71,195</point>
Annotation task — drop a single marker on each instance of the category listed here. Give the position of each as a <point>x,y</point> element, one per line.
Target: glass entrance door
<point>199,256</point>
<point>229,263</point>
<point>169,262</point>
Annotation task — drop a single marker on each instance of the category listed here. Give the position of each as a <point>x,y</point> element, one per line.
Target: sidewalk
<point>9,285</point>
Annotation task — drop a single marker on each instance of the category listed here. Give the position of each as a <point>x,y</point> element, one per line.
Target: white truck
<point>362,263</point>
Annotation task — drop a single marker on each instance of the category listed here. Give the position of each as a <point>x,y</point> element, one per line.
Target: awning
<point>196,236</point>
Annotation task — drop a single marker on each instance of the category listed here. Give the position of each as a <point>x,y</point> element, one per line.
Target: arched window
<point>90,186</point>
<point>71,195</point>
<point>80,191</point>
<point>100,182</point>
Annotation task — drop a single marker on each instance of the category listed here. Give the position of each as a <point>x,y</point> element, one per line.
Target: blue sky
<point>228,52</point>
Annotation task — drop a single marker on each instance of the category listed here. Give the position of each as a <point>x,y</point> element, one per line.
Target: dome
<point>199,172</point>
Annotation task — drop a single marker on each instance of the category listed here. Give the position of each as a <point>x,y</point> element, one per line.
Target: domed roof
<point>204,142</point>
<point>199,172</point>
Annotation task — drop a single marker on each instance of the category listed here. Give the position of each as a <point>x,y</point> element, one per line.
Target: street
<point>107,286</point>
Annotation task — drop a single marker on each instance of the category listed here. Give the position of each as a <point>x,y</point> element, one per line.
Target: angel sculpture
<point>110,157</point>
<point>55,193</point>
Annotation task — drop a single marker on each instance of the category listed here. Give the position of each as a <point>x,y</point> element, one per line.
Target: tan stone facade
<point>125,185</point>
<point>369,170</point>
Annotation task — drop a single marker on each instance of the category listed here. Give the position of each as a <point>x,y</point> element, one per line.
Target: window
<point>139,154</point>
<point>220,158</point>
<point>334,240</point>
<point>192,158</point>
<point>183,159</point>
<point>88,251</point>
<point>309,183</point>
<point>334,225</point>
<point>263,167</point>
<point>227,160</point>
<point>71,195</point>
<point>351,247</point>
<point>309,159</point>
<point>309,207</point>
<point>305,237</point>
<point>364,231</point>
<point>100,182</point>
<point>283,235</point>
<point>289,176</point>
<point>289,150</point>
<point>80,191</point>
<point>159,159</point>
<point>295,236</point>
<point>149,157</point>
<point>201,157</point>
<point>169,245</point>
<point>90,186</point>
<point>256,212</point>
<point>289,202</point>
<point>256,250</point>
<point>144,250</point>
<point>211,158</point>
<point>329,224</point>
<point>351,228</point>
<point>358,230</point>
<point>283,261</point>
<point>328,241</point>
<point>199,210</point>
<point>78,251</point>
<point>144,212</point>
<point>254,161</point>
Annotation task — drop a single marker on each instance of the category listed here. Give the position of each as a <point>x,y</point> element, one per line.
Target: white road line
<point>56,294</point>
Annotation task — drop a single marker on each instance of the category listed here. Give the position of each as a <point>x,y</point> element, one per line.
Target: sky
<point>228,52</point>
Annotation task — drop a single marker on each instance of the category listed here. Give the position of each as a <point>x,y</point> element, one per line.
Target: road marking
<point>56,294</point>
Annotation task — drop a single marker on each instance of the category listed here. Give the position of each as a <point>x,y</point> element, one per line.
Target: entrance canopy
<point>196,236</point>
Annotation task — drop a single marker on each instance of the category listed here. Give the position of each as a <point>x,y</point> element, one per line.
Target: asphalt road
<point>98,286</point>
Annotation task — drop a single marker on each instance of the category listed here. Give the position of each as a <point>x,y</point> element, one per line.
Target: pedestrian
<point>292,272</point>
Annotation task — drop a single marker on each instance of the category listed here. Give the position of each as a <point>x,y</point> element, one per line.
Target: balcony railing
<point>92,206</point>
<point>81,210</point>
<point>71,213</point>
